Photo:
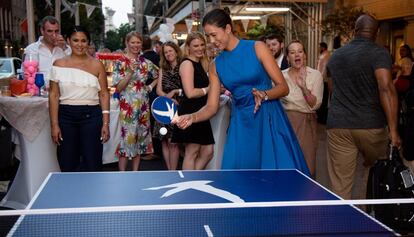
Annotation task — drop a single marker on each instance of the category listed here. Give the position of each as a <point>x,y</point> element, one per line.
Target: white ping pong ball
<point>163,131</point>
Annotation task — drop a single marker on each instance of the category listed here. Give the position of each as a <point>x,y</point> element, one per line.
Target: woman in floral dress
<point>129,77</point>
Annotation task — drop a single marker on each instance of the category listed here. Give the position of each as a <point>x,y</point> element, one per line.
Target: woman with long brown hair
<point>170,86</point>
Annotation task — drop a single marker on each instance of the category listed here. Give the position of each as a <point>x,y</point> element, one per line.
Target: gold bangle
<point>194,117</point>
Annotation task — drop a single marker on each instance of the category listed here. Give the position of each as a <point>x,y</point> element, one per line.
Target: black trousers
<point>81,148</point>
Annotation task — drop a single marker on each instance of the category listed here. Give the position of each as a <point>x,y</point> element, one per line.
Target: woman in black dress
<point>169,86</point>
<point>197,138</point>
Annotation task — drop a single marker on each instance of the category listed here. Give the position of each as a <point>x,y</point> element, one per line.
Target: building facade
<point>396,21</point>
<point>12,16</point>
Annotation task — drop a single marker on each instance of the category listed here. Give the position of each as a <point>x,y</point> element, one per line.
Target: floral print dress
<point>134,107</point>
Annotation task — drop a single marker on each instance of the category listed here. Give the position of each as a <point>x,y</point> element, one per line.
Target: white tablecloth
<point>37,153</point>
<point>219,125</point>
<point>109,147</point>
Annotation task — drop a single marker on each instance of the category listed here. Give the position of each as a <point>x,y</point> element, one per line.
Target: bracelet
<point>194,117</point>
<point>204,91</point>
<point>180,92</point>
<point>105,123</point>
<point>150,87</point>
<point>105,111</point>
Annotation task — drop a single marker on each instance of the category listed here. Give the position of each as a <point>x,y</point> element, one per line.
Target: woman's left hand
<point>183,121</point>
<point>259,96</point>
<point>105,133</point>
<point>171,94</point>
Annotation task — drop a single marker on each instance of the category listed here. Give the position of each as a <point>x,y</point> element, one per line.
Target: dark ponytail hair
<point>217,17</point>
<point>75,29</point>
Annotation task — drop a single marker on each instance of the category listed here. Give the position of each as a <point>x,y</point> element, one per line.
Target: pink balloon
<point>34,63</point>
<point>31,80</point>
<point>31,86</point>
<point>27,75</point>
<point>32,91</point>
<point>31,69</point>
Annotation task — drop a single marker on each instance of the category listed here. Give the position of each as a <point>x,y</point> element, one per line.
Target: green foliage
<point>341,21</point>
<point>259,31</point>
<point>123,30</point>
<point>113,41</point>
<point>115,38</point>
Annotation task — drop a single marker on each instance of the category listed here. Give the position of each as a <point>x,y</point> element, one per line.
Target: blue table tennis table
<point>195,188</point>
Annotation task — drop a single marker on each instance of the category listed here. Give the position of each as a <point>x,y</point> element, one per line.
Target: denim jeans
<point>81,147</point>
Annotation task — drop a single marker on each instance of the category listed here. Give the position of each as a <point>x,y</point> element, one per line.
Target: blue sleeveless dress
<point>261,140</point>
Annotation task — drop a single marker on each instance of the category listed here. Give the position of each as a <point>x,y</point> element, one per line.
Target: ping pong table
<point>196,189</point>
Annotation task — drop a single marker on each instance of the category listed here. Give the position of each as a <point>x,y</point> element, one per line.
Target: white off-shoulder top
<point>76,86</point>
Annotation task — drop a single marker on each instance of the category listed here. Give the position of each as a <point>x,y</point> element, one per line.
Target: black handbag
<point>387,179</point>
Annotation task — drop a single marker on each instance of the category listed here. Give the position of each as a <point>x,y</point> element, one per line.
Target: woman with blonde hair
<point>304,98</point>
<point>197,138</point>
<point>169,86</point>
<point>129,77</point>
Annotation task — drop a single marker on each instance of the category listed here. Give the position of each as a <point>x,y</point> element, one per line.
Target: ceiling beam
<point>174,8</point>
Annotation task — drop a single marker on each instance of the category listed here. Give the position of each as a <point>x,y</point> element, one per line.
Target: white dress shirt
<point>280,59</point>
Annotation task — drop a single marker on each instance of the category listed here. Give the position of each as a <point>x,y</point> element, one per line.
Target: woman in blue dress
<point>259,135</point>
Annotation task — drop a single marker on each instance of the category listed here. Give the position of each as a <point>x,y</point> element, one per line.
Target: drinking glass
<point>39,82</point>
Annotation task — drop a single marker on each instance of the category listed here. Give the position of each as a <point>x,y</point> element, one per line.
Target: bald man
<point>362,116</point>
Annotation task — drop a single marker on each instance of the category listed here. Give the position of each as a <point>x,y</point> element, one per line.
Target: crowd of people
<point>276,99</point>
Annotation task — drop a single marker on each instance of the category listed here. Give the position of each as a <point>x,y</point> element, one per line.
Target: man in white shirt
<point>275,44</point>
<point>46,49</point>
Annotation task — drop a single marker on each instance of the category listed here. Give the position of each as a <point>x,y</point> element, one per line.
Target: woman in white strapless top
<point>79,106</point>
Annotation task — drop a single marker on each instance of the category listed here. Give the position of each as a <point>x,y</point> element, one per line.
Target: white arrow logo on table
<point>200,185</point>
<point>169,113</point>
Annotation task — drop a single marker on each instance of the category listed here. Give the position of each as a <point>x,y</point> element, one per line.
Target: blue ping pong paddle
<point>163,109</point>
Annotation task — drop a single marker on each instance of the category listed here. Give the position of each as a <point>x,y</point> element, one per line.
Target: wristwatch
<point>266,96</point>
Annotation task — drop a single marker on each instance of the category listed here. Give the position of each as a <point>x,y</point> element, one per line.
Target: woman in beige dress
<point>304,98</point>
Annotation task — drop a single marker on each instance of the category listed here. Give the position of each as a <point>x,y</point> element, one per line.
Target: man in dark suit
<point>148,52</point>
<point>276,45</point>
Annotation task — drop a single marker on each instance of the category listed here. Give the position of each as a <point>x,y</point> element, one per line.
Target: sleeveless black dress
<point>170,81</point>
<point>198,133</point>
